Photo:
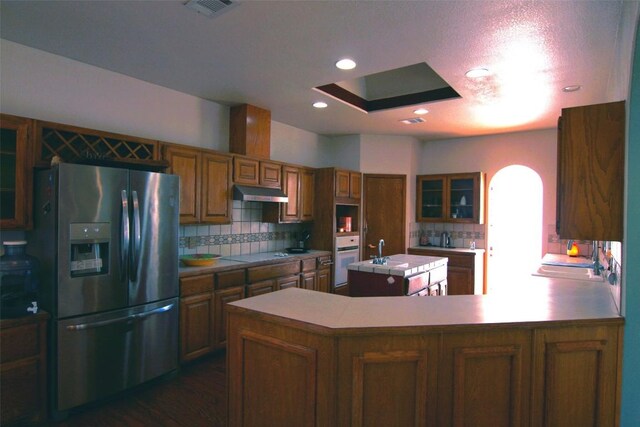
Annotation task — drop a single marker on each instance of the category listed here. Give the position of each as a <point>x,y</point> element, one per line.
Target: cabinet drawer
<point>231,278</point>
<point>323,261</point>
<point>20,342</point>
<point>256,274</point>
<point>465,261</point>
<point>308,264</point>
<point>196,284</point>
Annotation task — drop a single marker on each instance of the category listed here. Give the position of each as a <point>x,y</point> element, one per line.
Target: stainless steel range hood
<point>259,194</point>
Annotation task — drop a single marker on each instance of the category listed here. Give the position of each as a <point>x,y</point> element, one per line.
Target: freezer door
<point>153,271</point>
<point>91,208</point>
<point>102,354</point>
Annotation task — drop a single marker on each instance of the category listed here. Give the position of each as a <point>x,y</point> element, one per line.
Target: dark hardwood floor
<point>195,397</point>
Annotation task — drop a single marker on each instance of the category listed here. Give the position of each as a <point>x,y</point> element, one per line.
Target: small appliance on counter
<point>18,281</point>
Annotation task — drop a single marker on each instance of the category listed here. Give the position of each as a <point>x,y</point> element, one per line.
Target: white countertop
<point>440,248</point>
<point>400,265</point>
<point>538,300</point>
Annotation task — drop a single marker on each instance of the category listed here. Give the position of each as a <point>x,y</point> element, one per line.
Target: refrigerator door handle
<point>137,238</point>
<point>139,316</point>
<point>125,237</point>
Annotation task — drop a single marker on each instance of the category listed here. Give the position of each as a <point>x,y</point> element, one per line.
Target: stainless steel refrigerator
<point>107,239</point>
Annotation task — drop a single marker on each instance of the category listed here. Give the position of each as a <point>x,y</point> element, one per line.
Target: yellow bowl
<point>199,260</point>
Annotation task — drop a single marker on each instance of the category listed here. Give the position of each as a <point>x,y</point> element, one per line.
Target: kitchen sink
<point>390,263</point>
<point>565,272</point>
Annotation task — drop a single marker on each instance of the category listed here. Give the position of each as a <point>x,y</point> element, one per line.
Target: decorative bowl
<point>199,260</point>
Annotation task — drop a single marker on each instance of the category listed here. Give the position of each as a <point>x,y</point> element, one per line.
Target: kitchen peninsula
<point>297,357</point>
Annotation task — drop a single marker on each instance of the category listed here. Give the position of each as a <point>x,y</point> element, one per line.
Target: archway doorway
<point>515,227</point>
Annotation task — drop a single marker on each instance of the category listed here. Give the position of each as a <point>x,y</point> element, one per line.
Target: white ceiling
<point>272,53</point>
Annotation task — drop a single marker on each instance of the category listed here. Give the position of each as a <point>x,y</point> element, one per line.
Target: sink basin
<point>564,272</point>
<point>390,263</point>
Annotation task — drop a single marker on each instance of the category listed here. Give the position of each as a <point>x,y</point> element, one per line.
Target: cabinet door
<point>323,280</point>
<point>355,183</point>
<point>290,211</point>
<point>16,185</point>
<point>186,163</point>
<point>196,326</point>
<point>246,171</point>
<point>432,198</point>
<point>306,195</point>
<point>309,281</point>
<point>465,198</point>
<point>221,299</point>
<point>576,376</point>
<point>460,280</point>
<point>270,174</point>
<point>484,379</point>
<point>216,188</point>
<point>288,282</point>
<point>342,183</point>
<point>591,149</point>
<point>263,287</point>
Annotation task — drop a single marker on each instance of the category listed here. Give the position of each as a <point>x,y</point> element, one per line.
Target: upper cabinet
<point>248,171</point>
<point>590,187</point>
<point>347,184</point>
<point>16,187</point>
<point>205,184</point>
<point>298,185</point>
<point>450,198</point>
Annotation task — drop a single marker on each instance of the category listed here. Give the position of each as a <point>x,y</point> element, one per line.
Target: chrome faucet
<point>595,256</point>
<point>379,259</point>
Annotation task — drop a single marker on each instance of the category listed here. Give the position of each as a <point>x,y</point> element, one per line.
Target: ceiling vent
<point>210,8</point>
<point>413,121</point>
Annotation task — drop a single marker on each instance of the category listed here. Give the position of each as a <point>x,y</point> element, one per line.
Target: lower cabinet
<point>220,299</point>
<point>23,370</point>
<point>203,298</point>
<point>196,317</point>
<point>465,270</point>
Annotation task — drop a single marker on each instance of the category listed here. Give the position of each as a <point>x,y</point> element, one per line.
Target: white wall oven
<point>347,252</point>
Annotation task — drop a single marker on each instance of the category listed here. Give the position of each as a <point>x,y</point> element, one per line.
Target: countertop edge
<point>227,265</point>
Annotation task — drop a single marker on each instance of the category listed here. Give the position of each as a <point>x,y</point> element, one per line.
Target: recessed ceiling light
<point>474,73</point>
<point>572,88</point>
<point>320,104</point>
<point>420,111</point>
<point>346,64</point>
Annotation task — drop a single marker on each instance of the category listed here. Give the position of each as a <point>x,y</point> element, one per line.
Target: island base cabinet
<point>484,379</point>
<point>388,381</point>
<point>576,376</point>
<point>280,376</point>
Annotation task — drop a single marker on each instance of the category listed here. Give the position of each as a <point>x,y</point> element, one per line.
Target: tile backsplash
<point>462,235</point>
<point>246,235</point>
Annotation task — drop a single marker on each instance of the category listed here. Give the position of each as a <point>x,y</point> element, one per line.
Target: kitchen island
<point>550,355</point>
<point>398,275</point>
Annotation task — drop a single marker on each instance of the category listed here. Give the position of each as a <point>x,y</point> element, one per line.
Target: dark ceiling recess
<point>400,87</point>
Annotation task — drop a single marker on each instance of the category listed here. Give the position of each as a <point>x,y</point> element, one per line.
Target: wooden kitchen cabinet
<point>223,297</point>
<point>16,164</point>
<point>298,186</point>
<point>205,184</point>
<point>348,184</point>
<point>23,370</point>
<point>590,178</point>
<point>465,270</point>
<point>484,379</point>
<point>248,171</point>
<point>575,375</point>
<point>450,198</point>
<point>196,317</point>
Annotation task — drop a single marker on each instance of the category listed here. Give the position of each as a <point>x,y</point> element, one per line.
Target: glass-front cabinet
<point>450,198</point>
<point>15,172</point>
